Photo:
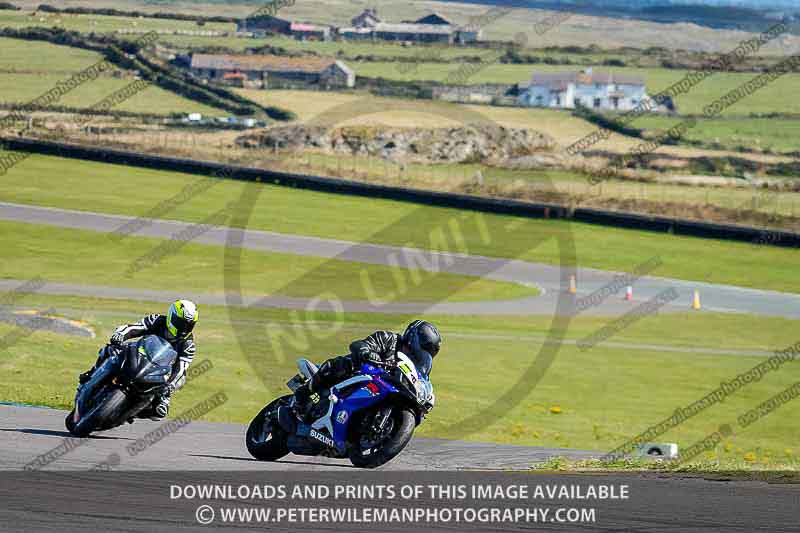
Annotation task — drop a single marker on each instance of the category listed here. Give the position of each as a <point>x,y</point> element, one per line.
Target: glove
<point>362,354</point>
<point>117,338</point>
<point>430,403</point>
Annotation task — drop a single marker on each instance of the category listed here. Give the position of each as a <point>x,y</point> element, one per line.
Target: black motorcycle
<point>123,386</point>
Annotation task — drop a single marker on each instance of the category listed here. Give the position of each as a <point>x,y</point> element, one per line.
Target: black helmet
<point>422,336</point>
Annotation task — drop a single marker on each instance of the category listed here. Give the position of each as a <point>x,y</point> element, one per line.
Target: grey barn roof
<point>262,63</point>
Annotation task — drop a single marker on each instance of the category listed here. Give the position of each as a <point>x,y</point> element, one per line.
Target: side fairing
<point>343,411</point>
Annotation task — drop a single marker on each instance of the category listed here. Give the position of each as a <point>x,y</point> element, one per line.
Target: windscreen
<point>423,361</point>
<point>155,352</point>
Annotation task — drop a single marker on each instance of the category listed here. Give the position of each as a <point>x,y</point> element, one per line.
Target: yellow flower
<point>788,451</point>
<point>556,410</point>
<point>728,447</point>
<point>750,457</point>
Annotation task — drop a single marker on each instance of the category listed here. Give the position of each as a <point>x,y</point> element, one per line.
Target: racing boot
<point>160,407</point>
<point>302,401</point>
<point>86,376</point>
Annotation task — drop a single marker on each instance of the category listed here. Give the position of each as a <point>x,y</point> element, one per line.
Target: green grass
<point>724,463</point>
<point>770,99</point>
<point>605,395</point>
<point>561,125</point>
<point>444,176</point>
<point>42,65</point>
<point>106,188</point>
<point>776,134</point>
<point>41,56</point>
<point>102,24</point>
<point>75,256</point>
<point>22,88</point>
<point>585,30</point>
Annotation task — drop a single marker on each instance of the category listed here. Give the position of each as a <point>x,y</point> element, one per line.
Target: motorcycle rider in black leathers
<point>379,349</point>
<point>176,328</point>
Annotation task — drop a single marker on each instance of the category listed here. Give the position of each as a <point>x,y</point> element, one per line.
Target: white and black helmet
<point>423,336</point>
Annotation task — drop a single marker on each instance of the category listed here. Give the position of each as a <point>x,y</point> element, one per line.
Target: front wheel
<point>266,440</point>
<point>106,410</point>
<point>371,449</point>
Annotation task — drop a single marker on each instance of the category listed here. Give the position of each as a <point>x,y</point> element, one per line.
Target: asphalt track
<point>76,501</point>
<point>133,492</point>
<point>548,278</point>
<point>26,432</point>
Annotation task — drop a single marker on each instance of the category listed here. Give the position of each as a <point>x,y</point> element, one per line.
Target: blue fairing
<point>359,399</point>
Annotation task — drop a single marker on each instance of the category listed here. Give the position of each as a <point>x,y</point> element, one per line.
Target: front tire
<point>108,407</point>
<point>363,455</point>
<point>266,440</point>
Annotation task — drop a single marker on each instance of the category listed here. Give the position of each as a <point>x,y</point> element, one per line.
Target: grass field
<point>22,88</point>
<point>40,66</point>
<point>595,399</point>
<point>562,125</point>
<point>605,395</point>
<point>453,176</point>
<point>776,134</point>
<point>102,24</point>
<point>19,54</point>
<point>367,109</point>
<point>385,49</point>
<point>105,188</point>
<point>770,99</point>
<point>75,256</point>
<point>605,32</point>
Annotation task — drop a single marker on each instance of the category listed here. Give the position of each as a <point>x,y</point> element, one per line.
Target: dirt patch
<point>39,321</point>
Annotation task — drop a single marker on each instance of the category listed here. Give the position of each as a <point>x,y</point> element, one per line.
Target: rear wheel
<point>107,408</point>
<point>373,448</point>
<point>266,440</point>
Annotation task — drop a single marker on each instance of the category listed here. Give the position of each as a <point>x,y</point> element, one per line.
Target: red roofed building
<point>309,32</point>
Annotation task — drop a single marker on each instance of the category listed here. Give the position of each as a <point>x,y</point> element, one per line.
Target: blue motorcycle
<point>368,418</point>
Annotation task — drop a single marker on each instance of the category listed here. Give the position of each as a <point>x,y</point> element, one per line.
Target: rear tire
<point>404,424</point>
<point>108,407</point>
<point>275,447</point>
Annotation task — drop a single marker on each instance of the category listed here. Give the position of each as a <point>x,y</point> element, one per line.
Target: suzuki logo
<point>327,441</point>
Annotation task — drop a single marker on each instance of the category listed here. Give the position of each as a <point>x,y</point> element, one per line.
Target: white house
<point>594,90</point>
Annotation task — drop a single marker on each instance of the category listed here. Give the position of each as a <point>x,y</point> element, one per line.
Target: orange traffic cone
<point>573,288</point>
<point>696,300</point>
<point>629,294</point>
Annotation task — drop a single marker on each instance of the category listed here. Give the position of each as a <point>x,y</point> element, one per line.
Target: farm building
<point>310,32</point>
<point>264,23</point>
<point>425,33</point>
<point>433,18</point>
<point>428,29</point>
<point>596,90</point>
<point>262,71</point>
